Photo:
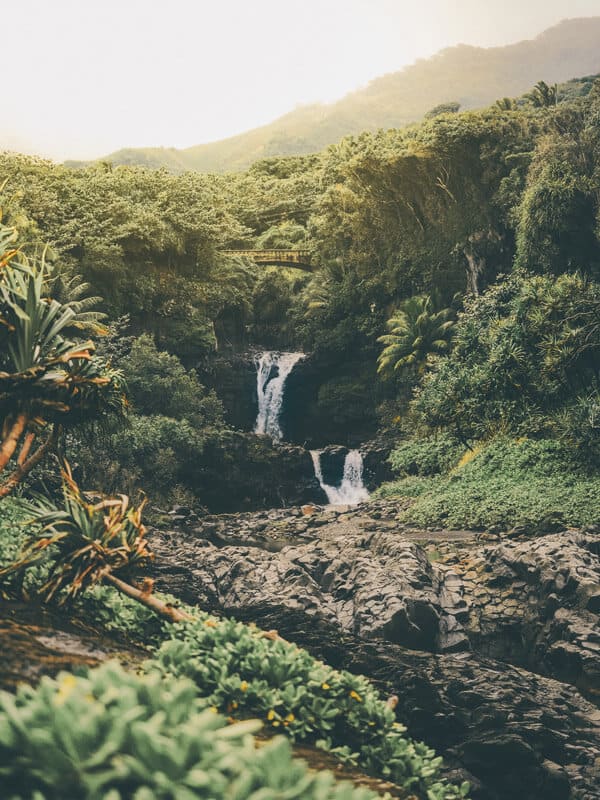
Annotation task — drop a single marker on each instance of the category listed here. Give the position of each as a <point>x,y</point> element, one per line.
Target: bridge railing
<point>300,258</point>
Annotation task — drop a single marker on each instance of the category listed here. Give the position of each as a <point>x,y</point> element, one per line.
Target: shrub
<point>428,456</point>
<point>508,482</point>
<point>243,672</point>
<point>160,385</point>
<point>13,533</point>
<point>111,734</point>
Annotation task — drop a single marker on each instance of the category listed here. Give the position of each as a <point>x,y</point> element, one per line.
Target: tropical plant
<point>72,291</point>
<point>324,285</point>
<point>523,352</point>
<point>243,670</point>
<point>505,104</point>
<point>415,332</point>
<point>47,380</point>
<point>543,96</point>
<point>87,543</point>
<point>111,735</point>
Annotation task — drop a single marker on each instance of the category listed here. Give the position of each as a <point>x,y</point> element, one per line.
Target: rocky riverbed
<point>491,644</point>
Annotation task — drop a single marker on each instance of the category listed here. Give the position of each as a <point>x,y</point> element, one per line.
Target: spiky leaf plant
<point>87,541</point>
<point>415,332</point>
<point>47,379</point>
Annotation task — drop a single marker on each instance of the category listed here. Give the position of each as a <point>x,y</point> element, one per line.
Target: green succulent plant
<point>115,735</point>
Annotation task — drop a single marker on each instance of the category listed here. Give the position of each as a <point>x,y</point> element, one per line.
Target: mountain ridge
<point>470,75</point>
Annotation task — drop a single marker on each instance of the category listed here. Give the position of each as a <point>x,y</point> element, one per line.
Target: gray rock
<point>471,643</point>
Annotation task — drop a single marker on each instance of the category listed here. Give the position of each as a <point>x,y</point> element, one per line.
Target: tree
<point>524,353</point>
<point>543,96</point>
<point>70,289</point>
<point>443,108</point>
<point>47,381</point>
<point>415,331</point>
<point>505,104</point>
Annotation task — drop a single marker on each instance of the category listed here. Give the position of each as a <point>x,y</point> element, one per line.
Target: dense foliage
<point>114,735</point>
<point>461,255</point>
<point>526,358</point>
<point>537,485</point>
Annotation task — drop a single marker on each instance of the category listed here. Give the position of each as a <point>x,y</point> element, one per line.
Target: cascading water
<point>272,369</point>
<point>352,489</point>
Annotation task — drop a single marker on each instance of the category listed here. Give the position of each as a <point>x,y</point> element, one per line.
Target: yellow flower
<point>244,686</point>
<point>214,709</point>
<point>325,686</point>
<point>355,696</point>
<point>290,717</point>
<point>271,715</point>
<point>210,623</point>
<point>66,686</point>
<point>234,704</point>
<point>276,724</point>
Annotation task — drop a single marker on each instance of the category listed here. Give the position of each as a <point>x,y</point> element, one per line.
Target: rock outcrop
<point>244,471</point>
<point>233,377</point>
<point>469,630</point>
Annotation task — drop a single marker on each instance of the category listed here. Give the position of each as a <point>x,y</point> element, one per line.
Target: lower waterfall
<point>272,369</point>
<point>352,489</point>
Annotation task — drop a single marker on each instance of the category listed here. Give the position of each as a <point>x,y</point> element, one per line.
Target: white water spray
<point>269,388</point>
<point>352,489</point>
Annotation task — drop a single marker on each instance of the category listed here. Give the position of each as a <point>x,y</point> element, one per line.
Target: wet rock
<point>259,473</point>
<point>375,453</point>
<point>332,464</point>
<point>233,377</point>
<point>593,603</point>
<point>375,585</point>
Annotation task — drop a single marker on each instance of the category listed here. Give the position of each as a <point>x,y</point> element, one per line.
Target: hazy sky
<point>82,77</point>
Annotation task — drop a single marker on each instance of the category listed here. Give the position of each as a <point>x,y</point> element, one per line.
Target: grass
<point>502,484</point>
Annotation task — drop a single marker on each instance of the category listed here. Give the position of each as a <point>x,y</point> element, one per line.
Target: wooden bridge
<point>298,259</point>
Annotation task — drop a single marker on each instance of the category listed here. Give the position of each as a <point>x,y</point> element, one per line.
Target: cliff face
<point>305,419</point>
<point>233,377</point>
<point>243,471</point>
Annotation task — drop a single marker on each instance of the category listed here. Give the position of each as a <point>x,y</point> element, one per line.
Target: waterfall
<point>272,369</point>
<point>352,489</point>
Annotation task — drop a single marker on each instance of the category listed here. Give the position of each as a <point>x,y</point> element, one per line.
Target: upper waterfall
<point>352,489</point>
<point>272,369</point>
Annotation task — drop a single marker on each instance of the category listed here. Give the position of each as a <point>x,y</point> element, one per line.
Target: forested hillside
<point>473,235</point>
<point>471,77</point>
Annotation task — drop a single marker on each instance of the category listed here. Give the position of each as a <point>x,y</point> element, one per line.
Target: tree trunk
<point>24,468</point>
<point>149,600</point>
<point>11,440</point>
